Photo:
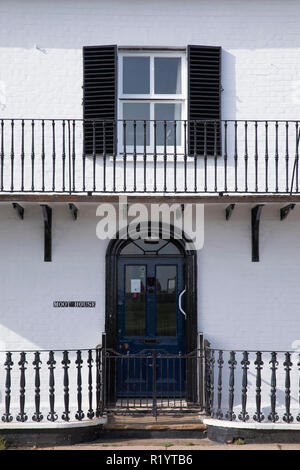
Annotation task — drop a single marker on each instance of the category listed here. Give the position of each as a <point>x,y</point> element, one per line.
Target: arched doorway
<point>146,307</point>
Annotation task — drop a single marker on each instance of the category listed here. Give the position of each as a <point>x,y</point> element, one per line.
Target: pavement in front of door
<point>167,445</point>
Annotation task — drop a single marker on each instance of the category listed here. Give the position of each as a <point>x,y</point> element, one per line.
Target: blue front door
<point>151,327</point>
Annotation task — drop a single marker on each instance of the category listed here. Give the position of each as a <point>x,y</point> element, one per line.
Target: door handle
<point>179,303</point>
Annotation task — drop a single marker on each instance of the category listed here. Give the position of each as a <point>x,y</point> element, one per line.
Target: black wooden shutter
<point>100,99</point>
<point>204,100</point>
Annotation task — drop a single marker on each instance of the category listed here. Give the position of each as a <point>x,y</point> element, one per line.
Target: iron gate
<point>152,381</point>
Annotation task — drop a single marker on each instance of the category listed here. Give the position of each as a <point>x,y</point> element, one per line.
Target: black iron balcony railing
<point>125,156</point>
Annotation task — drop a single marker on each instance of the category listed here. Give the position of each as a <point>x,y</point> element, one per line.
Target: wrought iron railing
<point>51,386</point>
<point>194,157</point>
<point>153,381</point>
<point>257,386</point>
<point>79,385</point>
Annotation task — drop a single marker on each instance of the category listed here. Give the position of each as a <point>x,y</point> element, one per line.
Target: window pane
<point>136,75</point>
<point>166,284</point>
<point>167,75</point>
<point>138,112</point>
<point>135,302</point>
<point>168,112</point>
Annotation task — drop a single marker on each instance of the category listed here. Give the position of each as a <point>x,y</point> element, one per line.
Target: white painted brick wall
<point>41,69</point>
<point>241,304</point>
<point>245,303</point>
<point>261,66</point>
<point>29,285</point>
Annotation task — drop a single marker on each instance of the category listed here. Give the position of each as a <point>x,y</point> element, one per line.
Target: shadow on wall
<point>229,98</point>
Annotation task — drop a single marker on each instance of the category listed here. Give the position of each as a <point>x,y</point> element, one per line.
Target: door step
<point>148,426</point>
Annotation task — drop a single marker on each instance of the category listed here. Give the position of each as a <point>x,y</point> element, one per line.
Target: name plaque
<point>74,303</point>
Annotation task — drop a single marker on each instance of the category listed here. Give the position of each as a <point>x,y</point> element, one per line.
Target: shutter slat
<point>100,97</point>
<point>204,77</point>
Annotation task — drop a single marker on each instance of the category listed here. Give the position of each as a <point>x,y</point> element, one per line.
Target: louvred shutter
<point>204,100</point>
<point>100,99</point>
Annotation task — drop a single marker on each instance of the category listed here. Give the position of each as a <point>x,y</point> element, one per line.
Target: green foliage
<point>239,442</point>
<point>3,444</point>
<point>168,444</point>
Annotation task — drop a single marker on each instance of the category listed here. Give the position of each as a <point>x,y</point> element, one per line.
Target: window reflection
<point>167,75</point>
<point>135,301</point>
<point>166,284</point>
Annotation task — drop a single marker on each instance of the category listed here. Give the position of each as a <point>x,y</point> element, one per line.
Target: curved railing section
<point>252,386</point>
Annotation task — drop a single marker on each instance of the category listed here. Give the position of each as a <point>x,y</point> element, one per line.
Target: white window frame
<point>152,98</point>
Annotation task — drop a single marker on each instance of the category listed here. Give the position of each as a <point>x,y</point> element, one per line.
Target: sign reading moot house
<point>74,303</point>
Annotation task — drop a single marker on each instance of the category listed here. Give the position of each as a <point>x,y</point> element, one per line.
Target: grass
<point>3,444</point>
<point>239,442</point>
<point>167,444</point>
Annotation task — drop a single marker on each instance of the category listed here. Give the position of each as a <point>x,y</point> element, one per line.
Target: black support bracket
<point>228,211</point>
<point>19,210</point>
<point>255,219</point>
<point>74,211</point>
<point>284,211</point>
<point>47,214</point>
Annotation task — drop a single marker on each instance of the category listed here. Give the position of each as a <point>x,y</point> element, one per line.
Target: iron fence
<point>76,385</point>
<point>131,156</point>
<point>51,386</point>
<point>252,385</point>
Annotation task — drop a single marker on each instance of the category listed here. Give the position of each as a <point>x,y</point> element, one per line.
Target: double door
<point>151,327</point>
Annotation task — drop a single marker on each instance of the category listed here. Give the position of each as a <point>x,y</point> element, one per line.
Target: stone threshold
<point>191,422</point>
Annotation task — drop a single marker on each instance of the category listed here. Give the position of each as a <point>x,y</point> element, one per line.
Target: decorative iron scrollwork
<point>258,416</point>
<point>244,416</point>
<point>273,416</point>
<point>22,416</point>
<point>232,363</point>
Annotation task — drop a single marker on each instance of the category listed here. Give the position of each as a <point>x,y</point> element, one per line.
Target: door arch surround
<point>114,248</point>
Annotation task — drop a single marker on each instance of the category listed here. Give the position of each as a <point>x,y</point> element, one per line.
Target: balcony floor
<point>142,198</point>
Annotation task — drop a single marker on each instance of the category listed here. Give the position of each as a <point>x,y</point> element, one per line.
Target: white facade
<point>41,50</point>
<point>42,75</point>
<point>241,305</point>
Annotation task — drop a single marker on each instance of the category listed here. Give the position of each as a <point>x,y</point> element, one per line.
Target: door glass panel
<point>135,301</point>
<point>166,283</point>
<point>167,75</point>
<point>168,112</point>
<point>137,112</point>
<point>136,75</point>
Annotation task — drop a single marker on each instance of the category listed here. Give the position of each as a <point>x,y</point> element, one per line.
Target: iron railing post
<point>154,384</point>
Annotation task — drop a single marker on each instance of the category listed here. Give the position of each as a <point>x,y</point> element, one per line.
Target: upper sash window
<point>139,101</point>
<point>152,100</point>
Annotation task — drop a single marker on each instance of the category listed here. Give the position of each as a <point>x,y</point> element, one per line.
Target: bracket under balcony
<point>255,220</point>
<point>19,210</point>
<point>228,211</point>
<point>284,211</point>
<point>73,210</point>
<point>47,214</point>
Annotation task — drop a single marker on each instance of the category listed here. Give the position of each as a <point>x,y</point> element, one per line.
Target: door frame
<point>111,296</point>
